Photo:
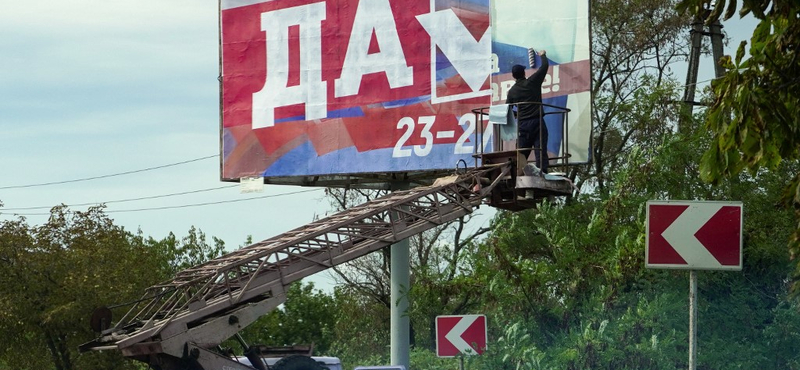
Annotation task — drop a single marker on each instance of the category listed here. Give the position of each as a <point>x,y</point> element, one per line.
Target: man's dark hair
<point>518,71</point>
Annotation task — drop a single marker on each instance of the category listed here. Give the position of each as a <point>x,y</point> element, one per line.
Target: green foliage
<point>191,250</point>
<point>444,286</point>
<point>53,276</point>
<point>426,359</point>
<point>361,330</point>
<point>781,337</point>
<point>567,288</point>
<point>307,318</point>
<point>754,116</point>
<point>633,45</point>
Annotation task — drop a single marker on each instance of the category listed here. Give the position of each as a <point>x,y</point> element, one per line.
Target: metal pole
<point>461,359</point>
<point>692,319</point>
<point>715,31</point>
<point>691,73</point>
<point>540,154</point>
<point>399,285</point>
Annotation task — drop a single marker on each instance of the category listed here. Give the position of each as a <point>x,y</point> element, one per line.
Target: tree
<point>191,250</point>
<point>307,318</point>
<point>53,276</point>
<point>437,269</point>
<point>754,117</point>
<point>634,43</point>
<point>362,329</point>
<point>567,287</point>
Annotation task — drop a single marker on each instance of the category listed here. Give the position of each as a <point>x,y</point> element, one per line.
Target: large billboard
<point>349,87</point>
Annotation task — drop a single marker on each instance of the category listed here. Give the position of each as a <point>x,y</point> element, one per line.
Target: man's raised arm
<point>542,71</point>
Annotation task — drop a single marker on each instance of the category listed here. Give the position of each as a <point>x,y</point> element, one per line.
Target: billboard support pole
<point>692,319</point>
<point>400,285</point>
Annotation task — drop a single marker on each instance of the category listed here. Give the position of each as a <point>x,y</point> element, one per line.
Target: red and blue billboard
<point>335,87</point>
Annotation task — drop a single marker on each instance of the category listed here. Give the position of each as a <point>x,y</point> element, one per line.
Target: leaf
<point>709,166</point>
<point>762,31</point>
<point>692,6</point>
<point>716,12</point>
<point>740,52</point>
<point>731,9</point>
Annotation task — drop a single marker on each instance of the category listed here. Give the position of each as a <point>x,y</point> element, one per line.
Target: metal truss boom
<point>207,304</point>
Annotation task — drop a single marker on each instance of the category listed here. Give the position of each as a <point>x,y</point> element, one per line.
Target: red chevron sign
<point>460,334</point>
<point>694,235</point>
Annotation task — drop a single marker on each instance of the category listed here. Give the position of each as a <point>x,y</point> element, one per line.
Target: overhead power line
<point>700,82</point>
<point>107,176</point>
<point>122,200</point>
<point>213,203</point>
<point>177,206</point>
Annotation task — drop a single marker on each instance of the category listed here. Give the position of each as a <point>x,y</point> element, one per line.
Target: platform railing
<point>561,159</point>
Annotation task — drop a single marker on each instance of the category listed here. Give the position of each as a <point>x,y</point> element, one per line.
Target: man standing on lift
<point>530,117</point>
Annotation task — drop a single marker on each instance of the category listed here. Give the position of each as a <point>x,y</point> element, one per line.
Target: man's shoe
<point>531,170</point>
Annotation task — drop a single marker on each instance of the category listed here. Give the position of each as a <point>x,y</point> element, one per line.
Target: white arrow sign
<point>681,235</point>
<point>460,335</point>
<point>454,335</point>
<point>696,235</point>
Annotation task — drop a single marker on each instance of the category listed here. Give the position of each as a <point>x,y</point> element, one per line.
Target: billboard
<point>348,87</point>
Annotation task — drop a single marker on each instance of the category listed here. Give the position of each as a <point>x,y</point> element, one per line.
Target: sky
<point>125,93</point>
<point>96,88</point>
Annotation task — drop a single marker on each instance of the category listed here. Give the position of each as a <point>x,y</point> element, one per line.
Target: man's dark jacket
<point>529,90</point>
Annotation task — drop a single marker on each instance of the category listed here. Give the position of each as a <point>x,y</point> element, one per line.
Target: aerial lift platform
<point>180,323</point>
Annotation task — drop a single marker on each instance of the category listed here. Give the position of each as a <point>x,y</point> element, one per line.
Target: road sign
<point>460,335</point>
<point>694,235</point>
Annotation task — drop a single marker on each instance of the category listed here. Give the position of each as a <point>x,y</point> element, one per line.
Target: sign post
<point>694,235</point>
<point>692,319</point>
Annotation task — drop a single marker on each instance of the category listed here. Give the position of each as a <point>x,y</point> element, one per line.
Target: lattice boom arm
<point>197,304</point>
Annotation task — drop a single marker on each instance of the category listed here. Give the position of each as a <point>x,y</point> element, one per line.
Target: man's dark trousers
<point>529,136</point>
